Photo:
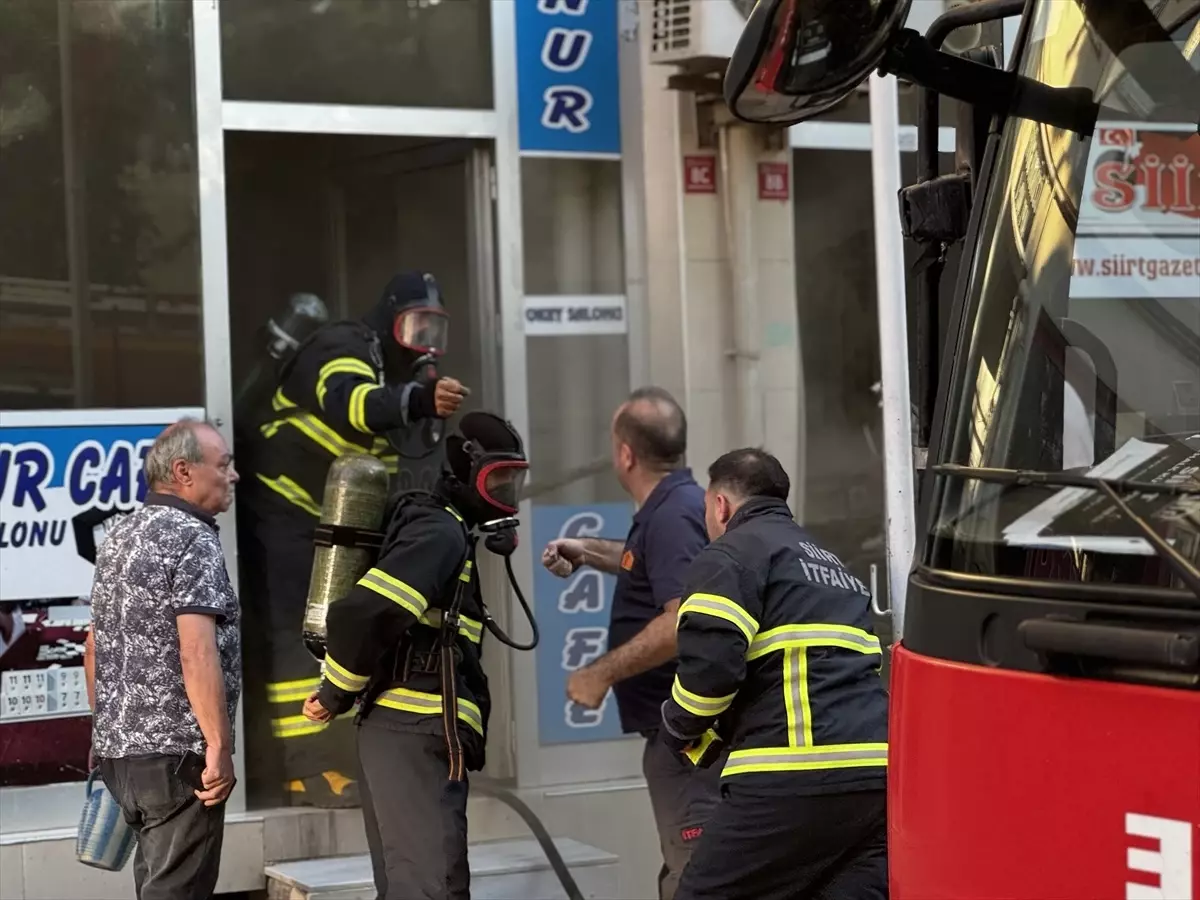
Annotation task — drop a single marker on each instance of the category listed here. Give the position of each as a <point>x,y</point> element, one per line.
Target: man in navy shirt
<point>649,435</point>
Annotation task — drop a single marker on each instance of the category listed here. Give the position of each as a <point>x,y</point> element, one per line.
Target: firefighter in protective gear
<point>405,643</point>
<point>778,661</point>
<point>347,389</point>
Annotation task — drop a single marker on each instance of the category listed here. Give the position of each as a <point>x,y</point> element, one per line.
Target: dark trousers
<point>416,819</point>
<point>178,852</point>
<point>683,798</point>
<point>762,845</point>
<point>276,550</point>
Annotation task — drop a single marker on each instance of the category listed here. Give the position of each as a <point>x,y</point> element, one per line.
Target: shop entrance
<point>337,216</point>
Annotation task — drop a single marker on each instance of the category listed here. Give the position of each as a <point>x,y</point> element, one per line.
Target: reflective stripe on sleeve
<point>721,608</point>
<point>422,703</point>
<point>292,691</point>
<point>465,574</point>
<point>697,704</point>
<point>357,413</point>
<point>802,636</point>
<point>395,590</point>
<point>343,365</point>
<point>292,493</point>
<point>797,759</point>
<point>341,677</point>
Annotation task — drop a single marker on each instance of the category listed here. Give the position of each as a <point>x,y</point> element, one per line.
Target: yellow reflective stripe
<point>697,704</point>
<point>295,726</point>
<point>425,704</point>
<point>291,691</point>
<point>721,608</point>
<point>465,574</point>
<point>341,677</point>
<point>358,406</point>
<point>471,629</point>
<point>798,759</point>
<point>316,430</point>
<point>454,512</point>
<point>795,697</point>
<point>279,401</point>
<point>818,635</point>
<point>291,492</point>
<point>343,365</point>
<point>395,590</point>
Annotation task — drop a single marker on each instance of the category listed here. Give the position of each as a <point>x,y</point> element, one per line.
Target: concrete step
<point>500,870</point>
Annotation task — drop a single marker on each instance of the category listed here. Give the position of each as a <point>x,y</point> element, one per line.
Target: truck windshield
<point>1081,336</point>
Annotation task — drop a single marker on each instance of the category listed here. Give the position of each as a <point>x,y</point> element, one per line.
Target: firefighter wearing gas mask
<point>405,643</point>
<point>351,387</point>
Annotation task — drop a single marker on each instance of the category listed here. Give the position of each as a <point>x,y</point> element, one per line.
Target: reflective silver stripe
<point>395,590</point>
<point>697,704</point>
<point>795,696</point>
<point>813,635</point>
<point>471,714</point>
<point>802,758</point>
<point>411,701</point>
<point>721,608</point>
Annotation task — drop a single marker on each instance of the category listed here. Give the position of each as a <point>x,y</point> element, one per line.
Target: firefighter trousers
<point>415,817</point>
<point>276,564</point>
<point>762,845</point>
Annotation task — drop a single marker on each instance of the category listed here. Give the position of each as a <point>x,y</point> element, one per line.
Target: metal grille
<point>671,26</point>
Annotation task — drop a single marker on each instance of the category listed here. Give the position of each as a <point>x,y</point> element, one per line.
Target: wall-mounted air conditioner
<point>693,33</point>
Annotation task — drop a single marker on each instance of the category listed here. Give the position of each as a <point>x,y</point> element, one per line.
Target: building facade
<point>173,170</point>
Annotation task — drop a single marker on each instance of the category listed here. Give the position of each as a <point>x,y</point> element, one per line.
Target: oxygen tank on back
<point>356,492</point>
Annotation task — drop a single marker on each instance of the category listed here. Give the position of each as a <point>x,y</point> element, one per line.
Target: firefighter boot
<point>329,790</point>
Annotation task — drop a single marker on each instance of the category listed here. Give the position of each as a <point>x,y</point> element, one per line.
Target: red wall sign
<point>699,174</point>
<point>772,181</point>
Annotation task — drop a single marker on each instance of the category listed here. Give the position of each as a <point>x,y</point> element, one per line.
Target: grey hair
<point>177,441</point>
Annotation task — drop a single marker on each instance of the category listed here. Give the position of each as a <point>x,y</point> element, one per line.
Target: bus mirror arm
<point>913,58</point>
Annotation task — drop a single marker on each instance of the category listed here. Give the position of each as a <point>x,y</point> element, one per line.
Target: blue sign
<point>568,90</point>
<point>65,477</point>
<point>573,614</point>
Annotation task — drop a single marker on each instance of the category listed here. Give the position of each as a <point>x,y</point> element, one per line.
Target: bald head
<point>652,425</point>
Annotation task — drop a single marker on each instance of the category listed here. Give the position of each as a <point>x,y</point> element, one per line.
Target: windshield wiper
<point>1182,567</point>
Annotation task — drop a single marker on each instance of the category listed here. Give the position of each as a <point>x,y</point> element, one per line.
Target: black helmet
<point>485,468</point>
<point>797,58</point>
<point>412,314</point>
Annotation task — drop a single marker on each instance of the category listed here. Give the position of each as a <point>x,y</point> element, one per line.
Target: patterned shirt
<point>158,562</point>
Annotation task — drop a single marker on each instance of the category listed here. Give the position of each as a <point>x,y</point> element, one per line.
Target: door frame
<point>494,213</point>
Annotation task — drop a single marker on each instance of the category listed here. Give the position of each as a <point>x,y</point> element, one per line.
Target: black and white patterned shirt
<point>158,562</point>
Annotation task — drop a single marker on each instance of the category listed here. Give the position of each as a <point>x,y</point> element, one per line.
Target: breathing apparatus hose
<point>497,631</point>
<point>489,788</point>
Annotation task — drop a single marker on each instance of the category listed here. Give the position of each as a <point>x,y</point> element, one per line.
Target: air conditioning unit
<point>694,33</point>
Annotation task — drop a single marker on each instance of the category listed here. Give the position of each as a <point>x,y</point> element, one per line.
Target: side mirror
<point>798,58</point>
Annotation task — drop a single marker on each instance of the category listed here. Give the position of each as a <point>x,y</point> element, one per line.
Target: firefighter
<point>406,642</point>
<point>777,660</point>
<point>350,387</point>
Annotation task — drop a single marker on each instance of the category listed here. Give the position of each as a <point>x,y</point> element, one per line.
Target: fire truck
<point>1045,690</point>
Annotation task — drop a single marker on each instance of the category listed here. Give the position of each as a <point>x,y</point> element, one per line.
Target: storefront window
<point>575,322</point>
<point>99,308</point>
<point>427,53</point>
<point>839,333</point>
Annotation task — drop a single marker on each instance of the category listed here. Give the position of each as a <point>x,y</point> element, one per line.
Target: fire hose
<point>490,788</point>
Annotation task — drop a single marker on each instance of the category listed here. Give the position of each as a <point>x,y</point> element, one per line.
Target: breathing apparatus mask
<point>483,477</point>
<point>414,329</point>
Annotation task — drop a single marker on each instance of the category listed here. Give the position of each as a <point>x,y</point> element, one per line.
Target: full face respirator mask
<point>490,497</point>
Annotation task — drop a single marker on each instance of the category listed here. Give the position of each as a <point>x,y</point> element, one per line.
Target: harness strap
<point>347,536</point>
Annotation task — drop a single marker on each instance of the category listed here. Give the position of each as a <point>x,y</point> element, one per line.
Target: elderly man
<point>649,438</point>
<point>163,663</point>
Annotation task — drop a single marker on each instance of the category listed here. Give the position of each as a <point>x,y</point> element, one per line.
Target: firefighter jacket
<point>778,658</point>
<point>382,637</point>
<point>332,399</point>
